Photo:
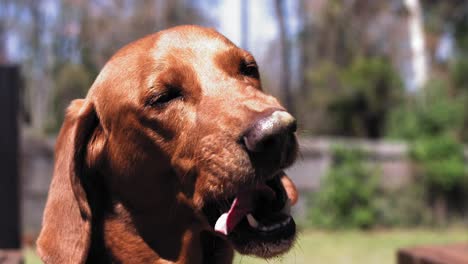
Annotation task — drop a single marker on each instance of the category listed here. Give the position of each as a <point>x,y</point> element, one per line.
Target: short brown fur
<point>130,177</point>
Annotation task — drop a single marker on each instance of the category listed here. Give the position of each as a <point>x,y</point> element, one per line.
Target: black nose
<point>271,135</point>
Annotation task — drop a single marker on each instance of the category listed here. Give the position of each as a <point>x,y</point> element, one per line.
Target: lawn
<point>348,247</point>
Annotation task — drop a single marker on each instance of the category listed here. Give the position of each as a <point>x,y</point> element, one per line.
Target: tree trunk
<point>303,51</point>
<point>285,56</point>
<point>417,45</point>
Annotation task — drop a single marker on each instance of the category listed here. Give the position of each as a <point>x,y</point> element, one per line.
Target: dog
<point>176,155</point>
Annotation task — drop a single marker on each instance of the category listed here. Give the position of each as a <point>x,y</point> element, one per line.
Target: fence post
<point>10,222</point>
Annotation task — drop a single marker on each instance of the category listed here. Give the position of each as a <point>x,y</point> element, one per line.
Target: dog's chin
<point>264,243</point>
<point>257,221</point>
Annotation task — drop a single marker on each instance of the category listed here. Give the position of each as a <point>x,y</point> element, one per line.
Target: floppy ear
<point>67,224</point>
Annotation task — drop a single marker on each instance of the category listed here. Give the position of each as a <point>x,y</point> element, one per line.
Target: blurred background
<point>379,88</point>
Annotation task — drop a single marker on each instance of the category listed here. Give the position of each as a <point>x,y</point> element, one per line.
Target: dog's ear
<point>67,224</point>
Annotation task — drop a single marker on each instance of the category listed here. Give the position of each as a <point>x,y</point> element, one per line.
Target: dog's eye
<point>249,69</point>
<point>165,97</point>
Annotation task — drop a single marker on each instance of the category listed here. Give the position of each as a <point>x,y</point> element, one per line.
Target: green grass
<point>347,247</point>
<point>30,257</point>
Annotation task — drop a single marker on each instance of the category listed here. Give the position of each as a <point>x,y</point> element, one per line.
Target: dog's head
<point>181,116</point>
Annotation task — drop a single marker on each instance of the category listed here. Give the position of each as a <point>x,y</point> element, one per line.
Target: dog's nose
<point>271,133</point>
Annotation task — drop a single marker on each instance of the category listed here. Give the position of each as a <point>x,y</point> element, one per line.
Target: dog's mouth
<point>257,220</point>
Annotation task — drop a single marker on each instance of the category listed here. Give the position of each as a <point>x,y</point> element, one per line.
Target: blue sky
<point>262,26</point>
<point>262,23</point>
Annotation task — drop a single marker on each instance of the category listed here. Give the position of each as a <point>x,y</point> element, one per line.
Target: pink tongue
<point>241,206</point>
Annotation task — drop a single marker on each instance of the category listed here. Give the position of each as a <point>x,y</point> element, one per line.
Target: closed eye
<point>165,97</point>
<point>249,69</point>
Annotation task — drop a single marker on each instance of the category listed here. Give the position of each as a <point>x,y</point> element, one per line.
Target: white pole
<point>417,45</point>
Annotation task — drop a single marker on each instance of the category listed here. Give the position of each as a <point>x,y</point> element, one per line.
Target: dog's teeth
<point>269,228</point>
<point>285,222</point>
<point>221,224</point>
<point>255,224</point>
<point>252,221</point>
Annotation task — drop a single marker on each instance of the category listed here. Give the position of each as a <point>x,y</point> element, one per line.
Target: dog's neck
<point>157,237</point>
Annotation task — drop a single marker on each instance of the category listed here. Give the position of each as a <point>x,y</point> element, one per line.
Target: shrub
<point>441,162</point>
<point>433,122</point>
<point>441,169</point>
<point>370,88</point>
<point>458,74</point>
<point>352,101</point>
<point>347,192</point>
<point>432,112</point>
<point>404,207</point>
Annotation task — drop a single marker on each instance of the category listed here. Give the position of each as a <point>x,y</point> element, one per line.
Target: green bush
<point>432,112</point>
<point>346,195</point>
<point>460,82</point>
<point>433,122</point>
<point>352,101</point>
<point>72,81</point>
<point>370,89</point>
<point>403,207</point>
<point>441,163</point>
<point>458,74</point>
<point>440,167</point>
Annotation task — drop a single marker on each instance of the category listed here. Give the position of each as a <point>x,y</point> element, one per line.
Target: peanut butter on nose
<point>290,188</point>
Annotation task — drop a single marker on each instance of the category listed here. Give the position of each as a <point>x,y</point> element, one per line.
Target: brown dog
<point>174,156</point>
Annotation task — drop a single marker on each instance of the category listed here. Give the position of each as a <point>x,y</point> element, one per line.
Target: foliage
<point>432,112</point>
<point>346,196</point>
<point>433,120</point>
<point>313,109</point>
<point>441,162</point>
<point>73,81</point>
<point>403,207</point>
<point>432,123</point>
<point>440,168</point>
<point>459,80</point>
<point>353,101</point>
<point>458,74</point>
<point>50,34</point>
<point>371,88</point>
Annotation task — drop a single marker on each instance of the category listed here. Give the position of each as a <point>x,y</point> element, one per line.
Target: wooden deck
<point>448,254</point>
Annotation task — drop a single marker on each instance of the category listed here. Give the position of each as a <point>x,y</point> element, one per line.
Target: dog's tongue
<point>241,206</point>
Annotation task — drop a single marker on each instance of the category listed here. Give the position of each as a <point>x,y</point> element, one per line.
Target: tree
<point>417,45</point>
<point>370,89</point>
<point>81,33</point>
<point>285,55</point>
<point>9,10</point>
